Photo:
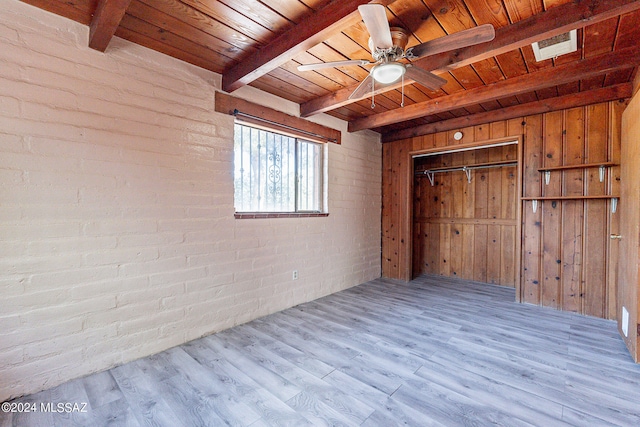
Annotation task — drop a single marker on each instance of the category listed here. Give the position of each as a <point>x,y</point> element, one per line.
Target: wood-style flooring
<point>435,351</point>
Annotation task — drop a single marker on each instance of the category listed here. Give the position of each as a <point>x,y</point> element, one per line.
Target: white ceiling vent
<point>556,46</point>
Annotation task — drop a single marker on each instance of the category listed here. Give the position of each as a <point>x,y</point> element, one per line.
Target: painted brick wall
<point>116,209</point>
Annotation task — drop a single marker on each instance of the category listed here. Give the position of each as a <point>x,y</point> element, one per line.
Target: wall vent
<point>556,46</point>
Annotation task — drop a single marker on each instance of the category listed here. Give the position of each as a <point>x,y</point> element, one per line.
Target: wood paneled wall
<point>396,228</point>
<point>567,260</point>
<point>457,223</point>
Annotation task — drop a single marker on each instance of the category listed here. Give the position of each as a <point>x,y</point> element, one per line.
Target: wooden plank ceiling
<point>261,43</point>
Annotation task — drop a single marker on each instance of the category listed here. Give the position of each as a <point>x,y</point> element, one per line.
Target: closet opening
<point>465,209</point>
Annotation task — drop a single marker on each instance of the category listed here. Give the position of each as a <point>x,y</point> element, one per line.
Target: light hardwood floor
<point>435,351</point>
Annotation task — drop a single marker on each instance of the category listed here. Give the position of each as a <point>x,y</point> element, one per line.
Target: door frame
<point>407,235</point>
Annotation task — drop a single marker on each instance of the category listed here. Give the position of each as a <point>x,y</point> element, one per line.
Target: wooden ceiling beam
<point>556,20</point>
<point>580,99</point>
<point>310,31</point>
<point>548,77</point>
<point>105,22</point>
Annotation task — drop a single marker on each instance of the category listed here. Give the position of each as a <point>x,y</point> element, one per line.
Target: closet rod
<point>464,168</point>
<point>430,173</point>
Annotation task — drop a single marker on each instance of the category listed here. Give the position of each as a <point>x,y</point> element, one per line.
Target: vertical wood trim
<point>516,127</point>
<point>407,242</point>
<point>562,205</point>
<point>617,109</point>
<point>518,240</point>
<point>531,224</point>
<point>585,211</point>
<point>573,212</point>
<point>609,280</point>
<point>396,226</point>
<point>387,152</point>
<point>552,211</point>
<point>596,214</point>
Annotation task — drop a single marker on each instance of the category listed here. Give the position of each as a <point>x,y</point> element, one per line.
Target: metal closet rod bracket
<point>467,171</point>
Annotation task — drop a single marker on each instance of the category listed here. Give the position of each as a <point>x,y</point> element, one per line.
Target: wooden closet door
<point>629,210</point>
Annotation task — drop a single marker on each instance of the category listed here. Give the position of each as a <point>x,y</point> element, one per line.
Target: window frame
<point>322,170</point>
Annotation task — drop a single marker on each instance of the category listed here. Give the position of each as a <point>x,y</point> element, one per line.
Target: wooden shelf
<point>570,197</point>
<point>535,200</point>
<point>581,166</point>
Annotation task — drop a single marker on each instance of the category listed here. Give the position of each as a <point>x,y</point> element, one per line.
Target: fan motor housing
<point>399,38</point>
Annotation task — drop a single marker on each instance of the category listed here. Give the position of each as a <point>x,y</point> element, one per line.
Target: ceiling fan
<point>387,47</point>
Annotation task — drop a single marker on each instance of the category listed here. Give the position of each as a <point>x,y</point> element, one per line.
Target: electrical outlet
<point>295,274</point>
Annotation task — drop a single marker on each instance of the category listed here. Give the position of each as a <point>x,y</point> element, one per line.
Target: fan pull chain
<point>373,93</point>
<point>402,102</point>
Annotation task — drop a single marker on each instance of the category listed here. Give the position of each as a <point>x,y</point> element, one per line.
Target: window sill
<point>261,215</point>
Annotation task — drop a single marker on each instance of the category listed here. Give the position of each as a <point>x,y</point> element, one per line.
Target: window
<point>276,173</point>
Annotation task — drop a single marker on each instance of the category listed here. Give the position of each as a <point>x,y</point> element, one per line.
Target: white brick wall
<point>116,208</point>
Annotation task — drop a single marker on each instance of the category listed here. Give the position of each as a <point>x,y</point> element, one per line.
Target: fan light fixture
<point>388,47</point>
<point>387,72</point>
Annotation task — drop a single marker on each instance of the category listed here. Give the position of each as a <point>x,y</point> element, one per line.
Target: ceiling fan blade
<point>375,18</point>
<point>321,65</point>
<point>476,35</point>
<point>363,89</point>
<point>424,77</point>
